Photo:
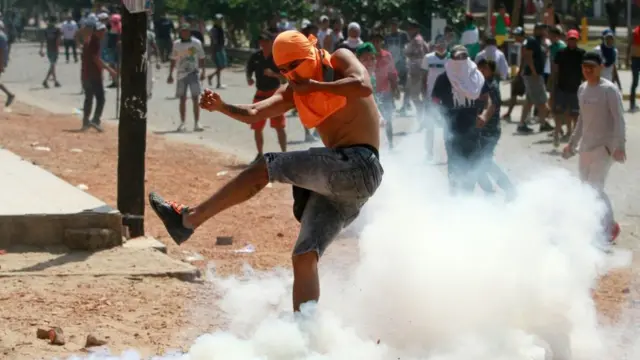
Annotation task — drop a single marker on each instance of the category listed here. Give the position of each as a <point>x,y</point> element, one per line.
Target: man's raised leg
<point>181,220</point>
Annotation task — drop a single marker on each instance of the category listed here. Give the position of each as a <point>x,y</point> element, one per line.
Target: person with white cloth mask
<point>600,134</point>
<point>353,40</point>
<point>491,52</point>
<point>462,92</point>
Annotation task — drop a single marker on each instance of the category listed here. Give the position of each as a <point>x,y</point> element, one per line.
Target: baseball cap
<point>573,34</point>
<point>100,26</point>
<point>103,16</point>
<point>185,26</point>
<point>519,31</point>
<point>592,57</point>
<point>324,18</point>
<point>219,16</point>
<point>458,49</point>
<point>607,33</point>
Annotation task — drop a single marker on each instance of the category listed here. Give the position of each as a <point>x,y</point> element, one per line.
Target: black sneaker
<point>545,126</point>
<point>9,100</point>
<point>524,129</point>
<point>45,85</point>
<point>171,214</point>
<point>96,126</point>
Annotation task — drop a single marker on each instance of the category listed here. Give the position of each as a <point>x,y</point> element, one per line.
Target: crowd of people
<point>457,75</point>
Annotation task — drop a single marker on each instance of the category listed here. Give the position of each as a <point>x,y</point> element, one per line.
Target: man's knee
<point>258,170</point>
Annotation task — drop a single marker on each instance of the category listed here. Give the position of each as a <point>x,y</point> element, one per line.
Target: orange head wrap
<point>292,45</point>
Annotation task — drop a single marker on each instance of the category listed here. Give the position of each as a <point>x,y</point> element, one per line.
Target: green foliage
<point>241,12</point>
<point>368,12</point>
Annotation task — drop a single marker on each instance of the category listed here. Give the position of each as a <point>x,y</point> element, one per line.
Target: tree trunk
<point>132,129</point>
<point>515,16</point>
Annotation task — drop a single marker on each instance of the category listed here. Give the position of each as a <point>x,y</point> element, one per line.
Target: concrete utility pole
<point>490,6</point>
<point>132,129</point>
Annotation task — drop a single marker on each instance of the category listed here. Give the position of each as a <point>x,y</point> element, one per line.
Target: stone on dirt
<point>94,341</point>
<point>55,335</point>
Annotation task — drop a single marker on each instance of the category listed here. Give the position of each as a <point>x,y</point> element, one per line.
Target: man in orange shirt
<point>333,94</point>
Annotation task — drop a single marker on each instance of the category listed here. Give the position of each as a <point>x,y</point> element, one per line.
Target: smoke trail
<point>438,278</point>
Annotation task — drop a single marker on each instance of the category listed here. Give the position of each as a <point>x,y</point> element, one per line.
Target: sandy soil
<point>152,314</point>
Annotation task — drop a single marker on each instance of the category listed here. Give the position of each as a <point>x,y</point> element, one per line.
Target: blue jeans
<point>93,88</point>
<point>330,188</point>
<point>487,166</point>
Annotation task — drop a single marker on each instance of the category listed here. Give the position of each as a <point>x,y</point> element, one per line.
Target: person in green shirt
<point>500,22</point>
<point>555,35</point>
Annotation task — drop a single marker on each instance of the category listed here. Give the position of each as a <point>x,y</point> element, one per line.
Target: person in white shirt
<point>188,57</point>
<point>607,50</point>
<point>323,29</point>
<point>491,52</point>
<point>600,135</point>
<point>69,31</point>
<point>433,66</point>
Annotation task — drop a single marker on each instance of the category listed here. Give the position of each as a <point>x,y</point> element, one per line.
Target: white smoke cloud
<point>438,278</point>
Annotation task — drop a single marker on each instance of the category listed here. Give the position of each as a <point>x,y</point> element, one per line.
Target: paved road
<point>518,153</point>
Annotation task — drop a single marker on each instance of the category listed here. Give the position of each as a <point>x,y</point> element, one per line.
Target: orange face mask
<point>291,46</point>
<point>306,70</point>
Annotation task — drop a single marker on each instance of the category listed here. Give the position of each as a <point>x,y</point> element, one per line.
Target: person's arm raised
<point>355,81</point>
<point>277,104</point>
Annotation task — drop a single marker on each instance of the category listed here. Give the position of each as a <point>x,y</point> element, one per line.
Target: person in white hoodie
<point>462,92</point>
<point>600,134</point>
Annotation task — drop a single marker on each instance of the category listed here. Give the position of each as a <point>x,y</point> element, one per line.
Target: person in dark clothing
<point>489,136</point>
<point>53,39</point>
<point>534,58</point>
<point>165,31</point>
<point>267,81</point>
<point>567,77</point>
<point>91,67</point>
<point>218,42</point>
<point>462,91</point>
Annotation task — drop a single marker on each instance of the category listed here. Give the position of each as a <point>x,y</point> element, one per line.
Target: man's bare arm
<point>278,104</point>
<point>355,81</point>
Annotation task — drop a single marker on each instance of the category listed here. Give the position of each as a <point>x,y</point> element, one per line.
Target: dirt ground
<point>152,314</point>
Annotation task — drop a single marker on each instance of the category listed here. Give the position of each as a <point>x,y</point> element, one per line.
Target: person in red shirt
<point>91,68</point>
<point>386,84</point>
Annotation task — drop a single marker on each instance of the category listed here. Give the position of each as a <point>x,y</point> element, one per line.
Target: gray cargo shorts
<point>536,89</point>
<point>330,188</point>
<point>191,82</point>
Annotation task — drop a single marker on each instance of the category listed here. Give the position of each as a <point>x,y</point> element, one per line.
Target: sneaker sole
<point>178,238</point>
